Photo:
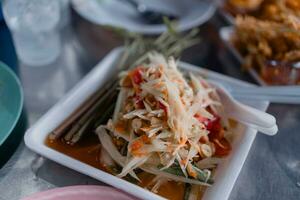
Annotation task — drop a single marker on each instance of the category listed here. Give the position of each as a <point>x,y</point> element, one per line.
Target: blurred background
<point>51,45</point>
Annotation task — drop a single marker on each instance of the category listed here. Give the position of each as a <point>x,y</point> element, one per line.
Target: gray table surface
<point>271,171</point>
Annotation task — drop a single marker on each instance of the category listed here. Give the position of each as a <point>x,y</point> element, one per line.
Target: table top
<point>271,171</point>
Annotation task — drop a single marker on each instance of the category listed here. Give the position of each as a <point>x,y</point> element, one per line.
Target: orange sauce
<point>88,151</point>
<point>85,151</point>
<point>170,190</point>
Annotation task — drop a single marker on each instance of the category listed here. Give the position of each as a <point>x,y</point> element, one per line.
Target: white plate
<point>192,13</point>
<point>225,34</point>
<point>226,173</point>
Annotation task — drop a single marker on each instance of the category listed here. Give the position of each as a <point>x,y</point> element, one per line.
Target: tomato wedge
<point>212,125</point>
<point>136,75</point>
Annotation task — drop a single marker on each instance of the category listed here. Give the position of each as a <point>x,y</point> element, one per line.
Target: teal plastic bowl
<point>12,115</point>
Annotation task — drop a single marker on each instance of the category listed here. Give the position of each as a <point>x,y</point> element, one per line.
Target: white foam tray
<point>226,173</point>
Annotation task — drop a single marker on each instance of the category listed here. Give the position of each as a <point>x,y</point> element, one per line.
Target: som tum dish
<point>168,132</point>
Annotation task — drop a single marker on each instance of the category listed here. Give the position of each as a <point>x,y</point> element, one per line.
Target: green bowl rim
<point>12,73</point>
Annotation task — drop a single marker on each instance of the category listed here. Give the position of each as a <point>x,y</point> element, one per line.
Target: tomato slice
<point>212,125</point>
<point>136,75</point>
<point>222,147</point>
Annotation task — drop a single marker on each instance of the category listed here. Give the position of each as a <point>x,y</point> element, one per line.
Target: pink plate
<point>81,192</point>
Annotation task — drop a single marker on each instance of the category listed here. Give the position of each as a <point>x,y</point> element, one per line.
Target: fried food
<point>275,10</point>
<point>262,42</point>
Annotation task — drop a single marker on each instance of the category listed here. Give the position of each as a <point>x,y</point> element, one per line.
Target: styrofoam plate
<point>226,173</point>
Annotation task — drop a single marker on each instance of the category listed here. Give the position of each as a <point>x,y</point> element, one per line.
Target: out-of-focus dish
<point>270,48</point>
<point>116,13</point>
<point>267,36</point>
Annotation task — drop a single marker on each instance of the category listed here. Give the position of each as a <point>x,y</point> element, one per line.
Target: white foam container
<point>226,173</point>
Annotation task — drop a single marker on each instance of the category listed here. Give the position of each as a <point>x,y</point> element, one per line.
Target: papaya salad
<point>167,124</point>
